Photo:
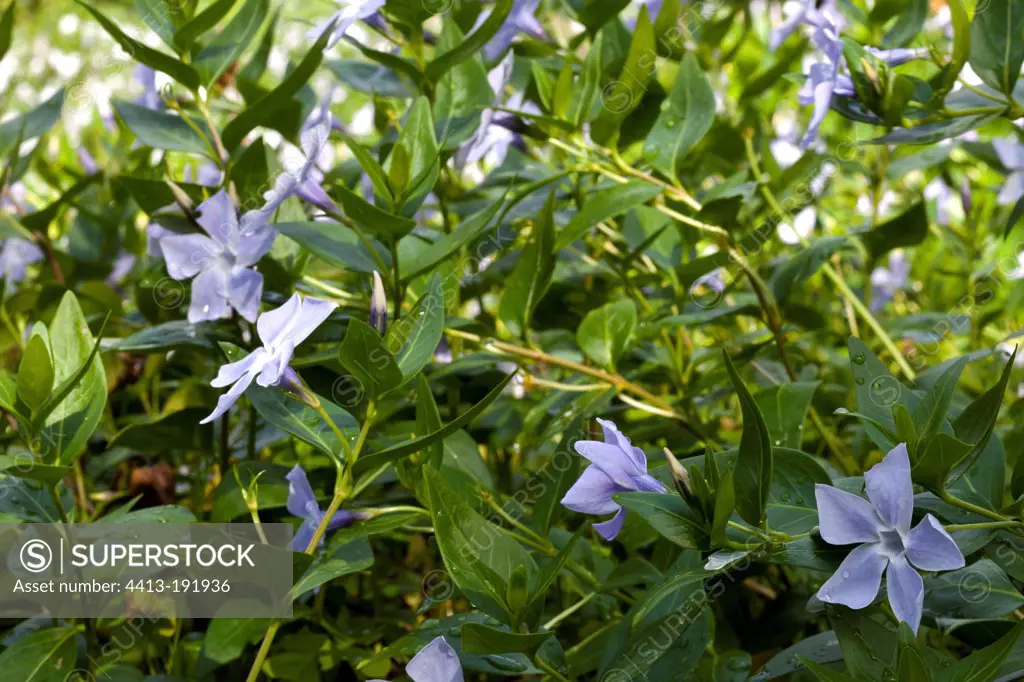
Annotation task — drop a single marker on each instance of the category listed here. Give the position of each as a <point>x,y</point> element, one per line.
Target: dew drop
<point>860,381</point>
<point>784,497</point>
<point>859,358</point>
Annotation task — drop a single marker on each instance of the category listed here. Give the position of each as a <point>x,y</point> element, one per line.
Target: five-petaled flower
<point>436,662</point>
<point>889,543</point>
<point>280,330</point>
<point>520,19</point>
<point>302,503</point>
<point>616,466</point>
<point>220,260</point>
<point>301,176</point>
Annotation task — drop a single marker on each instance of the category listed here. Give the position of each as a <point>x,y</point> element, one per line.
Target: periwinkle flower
<point>378,305</point>
<point>494,136</point>
<point>280,330</point>
<point>301,176</point>
<point>886,281</point>
<point>220,260</point>
<point>520,19</point>
<point>348,13</point>
<point>302,503</point>
<point>616,466</point>
<point>436,662</point>
<point>807,12</point>
<point>15,257</point>
<point>888,542</point>
<point>1011,155</point>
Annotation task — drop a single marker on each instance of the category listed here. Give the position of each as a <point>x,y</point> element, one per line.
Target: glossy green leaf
<point>414,337</point>
<point>784,408</point>
<point>752,475</point>
<point>35,373</point>
<point>229,44</point>
<point>620,98</point>
<point>201,23</point>
<point>368,361</point>
<point>997,43</point>
<point>46,655</point>
<point>604,205</point>
<point>336,244</point>
<point>373,219</point>
<point>343,556</point>
<point>161,130</point>
<point>605,332</point>
<point>685,118</point>
<point>532,275</point>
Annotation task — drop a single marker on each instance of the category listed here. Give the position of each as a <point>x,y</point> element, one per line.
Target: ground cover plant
<point>577,340</point>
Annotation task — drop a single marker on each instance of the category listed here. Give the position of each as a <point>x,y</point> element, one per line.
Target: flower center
<point>892,543</point>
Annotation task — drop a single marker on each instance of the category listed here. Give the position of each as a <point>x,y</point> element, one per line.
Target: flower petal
<point>1013,189</point>
<point>218,217</point>
<point>187,255</point>
<point>312,314</point>
<point>209,296</point>
<point>274,370</point>
<point>613,436</point>
<point>817,90</point>
<point>855,583</point>
<point>906,592</point>
<point>301,500</point>
<point>592,493</point>
<point>611,528</point>
<point>845,518</point>
<point>303,536</point>
<point>245,289</point>
<point>618,465</point>
<point>890,489</point>
<point>273,323</point>
<point>1010,153</point>
<point>254,239</point>
<point>225,402</point>
<point>436,662</point>
<point>930,547</point>
<point>233,371</point>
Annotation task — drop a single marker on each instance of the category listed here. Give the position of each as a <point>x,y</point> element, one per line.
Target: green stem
<point>982,526</point>
<point>950,498</point>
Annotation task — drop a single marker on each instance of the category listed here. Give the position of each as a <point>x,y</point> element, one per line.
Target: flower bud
<point>680,475</point>
<point>378,305</point>
<point>965,196</point>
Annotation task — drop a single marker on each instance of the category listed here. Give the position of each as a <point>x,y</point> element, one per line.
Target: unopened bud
<point>378,305</point>
<point>181,198</point>
<point>680,475</point>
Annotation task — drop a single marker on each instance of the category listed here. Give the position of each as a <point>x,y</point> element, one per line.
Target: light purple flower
<point>616,466</point>
<point>122,267</point>
<point>494,137</point>
<point>208,175</point>
<point>808,13</point>
<point>15,257</point>
<point>280,330</point>
<point>826,79</point>
<point>886,281</point>
<point>1011,155</point>
<point>520,19</point>
<point>889,543</point>
<point>220,260</point>
<point>88,162</point>
<point>301,176</point>
<point>348,13</point>
<point>302,503</point>
<point>436,662</point>
<point>150,97</point>
<point>653,10</point>
<point>154,233</point>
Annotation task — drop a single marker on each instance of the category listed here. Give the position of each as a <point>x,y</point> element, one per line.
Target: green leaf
<point>368,162</point>
<point>825,674</point>
<point>251,173</point>
<point>169,432</point>
<point>784,408</point>
<point>48,655</point>
<point>140,52</point>
<point>907,229</point>
<point>997,43</point>
<point>685,119</point>
<point>20,463</point>
<point>930,133</point>
<point>397,452</point>
<point>622,96</point>
<point>344,555</point>
<point>262,112</point>
<point>288,414</point>
<point>822,647</point>
<point>752,475</point>
<point>803,265</point>
<point>369,362</point>
<point>32,124</point>
<point>479,558</point>
<point>415,336</point>
<point>977,422</point>
<point>6,29</point>
<point>227,638</point>
<point>166,336</point>
<point>588,83</point>
<point>981,590</point>
<point>936,458</point>
<point>203,22</point>
<point>668,515</point>
<point>161,16</point>
<point>417,148</point>
<point>869,648</point>
<point>531,277</point>
<point>605,332</point>
<point>229,44</point>
<point>472,43</point>
<point>478,638</point>
<point>373,219</point>
<point>161,130</point>
<point>877,392</point>
<point>335,244</point>
<point>603,205</point>
<point>70,422</point>
<point>930,414</point>
<point>984,664</point>
<point>560,472</point>
<point>35,373</point>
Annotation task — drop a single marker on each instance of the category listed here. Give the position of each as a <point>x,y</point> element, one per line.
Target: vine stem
<point>827,268</point>
<point>982,526</point>
<point>616,380</point>
<point>341,491</point>
<point>950,498</point>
